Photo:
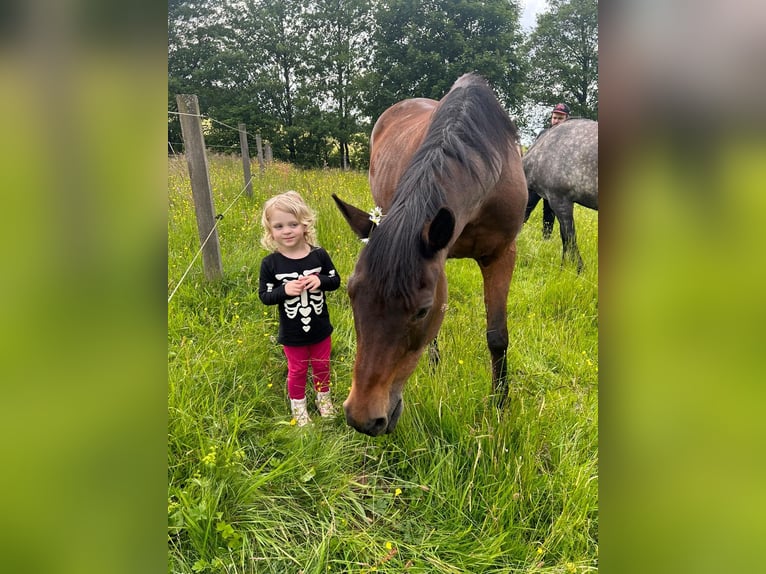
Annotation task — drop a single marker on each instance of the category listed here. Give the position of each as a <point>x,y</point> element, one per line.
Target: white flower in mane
<point>376,216</point>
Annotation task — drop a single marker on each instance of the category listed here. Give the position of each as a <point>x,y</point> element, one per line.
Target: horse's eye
<point>422,312</point>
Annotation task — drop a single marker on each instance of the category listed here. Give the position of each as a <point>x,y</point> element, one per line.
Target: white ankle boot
<point>300,414</point>
<point>324,404</point>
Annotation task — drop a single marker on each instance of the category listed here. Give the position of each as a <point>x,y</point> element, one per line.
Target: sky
<point>529,11</point>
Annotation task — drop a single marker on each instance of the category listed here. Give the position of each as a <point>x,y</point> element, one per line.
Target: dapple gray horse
<point>562,167</point>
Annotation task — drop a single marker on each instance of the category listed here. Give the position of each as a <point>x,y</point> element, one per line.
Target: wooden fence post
<point>269,156</point>
<point>194,146</point>
<point>245,160</point>
<point>260,151</point>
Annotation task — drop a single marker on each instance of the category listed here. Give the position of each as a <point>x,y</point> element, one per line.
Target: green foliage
<point>288,69</point>
<point>312,76</point>
<point>563,57</point>
<point>340,43</point>
<point>458,487</point>
<point>421,48</point>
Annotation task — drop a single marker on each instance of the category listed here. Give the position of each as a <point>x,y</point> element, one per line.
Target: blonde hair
<point>289,202</point>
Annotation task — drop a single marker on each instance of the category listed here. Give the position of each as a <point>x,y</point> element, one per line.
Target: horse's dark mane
<point>469,132</point>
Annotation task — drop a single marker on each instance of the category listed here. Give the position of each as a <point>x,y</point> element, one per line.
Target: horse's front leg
<point>497,272</point>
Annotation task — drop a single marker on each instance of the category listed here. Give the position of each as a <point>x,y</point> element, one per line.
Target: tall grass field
<point>458,486</point>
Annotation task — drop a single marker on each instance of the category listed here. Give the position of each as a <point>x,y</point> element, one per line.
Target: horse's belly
<point>478,242</point>
<point>590,201</point>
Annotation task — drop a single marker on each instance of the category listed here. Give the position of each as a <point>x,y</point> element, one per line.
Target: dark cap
<point>561,109</point>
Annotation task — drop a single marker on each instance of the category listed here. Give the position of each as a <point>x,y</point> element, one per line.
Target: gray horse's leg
<point>434,355</point>
<point>564,210</point>
<point>548,219</point>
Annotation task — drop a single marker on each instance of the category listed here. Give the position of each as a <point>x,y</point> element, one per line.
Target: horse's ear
<point>437,233</point>
<point>358,220</point>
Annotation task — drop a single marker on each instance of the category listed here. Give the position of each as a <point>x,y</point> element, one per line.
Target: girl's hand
<point>294,288</point>
<point>311,282</point>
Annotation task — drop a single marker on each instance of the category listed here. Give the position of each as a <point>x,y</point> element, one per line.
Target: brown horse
<point>450,182</point>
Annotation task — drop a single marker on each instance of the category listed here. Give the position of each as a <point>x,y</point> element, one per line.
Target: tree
<point>563,57</point>
<point>193,50</point>
<point>311,75</point>
<point>275,32</point>
<point>421,48</point>
<point>245,59</point>
<point>339,45</point>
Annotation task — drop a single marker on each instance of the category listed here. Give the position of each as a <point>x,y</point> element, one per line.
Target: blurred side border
<point>83,414</point>
<point>682,166</point>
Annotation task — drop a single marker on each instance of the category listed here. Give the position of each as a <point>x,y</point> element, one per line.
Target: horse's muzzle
<point>379,425</point>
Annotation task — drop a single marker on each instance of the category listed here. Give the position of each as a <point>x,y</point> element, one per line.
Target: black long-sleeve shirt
<point>304,319</point>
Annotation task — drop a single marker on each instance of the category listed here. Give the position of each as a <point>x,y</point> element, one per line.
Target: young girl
<point>295,277</point>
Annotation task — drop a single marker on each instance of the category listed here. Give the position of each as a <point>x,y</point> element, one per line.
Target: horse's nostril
<point>377,426</point>
<point>372,427</point>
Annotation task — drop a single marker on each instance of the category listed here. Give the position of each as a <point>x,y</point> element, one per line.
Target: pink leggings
<point>298,361</point>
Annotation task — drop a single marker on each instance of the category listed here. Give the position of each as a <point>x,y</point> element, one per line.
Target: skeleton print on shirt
<point>303,319</point>
<point>304,303</point>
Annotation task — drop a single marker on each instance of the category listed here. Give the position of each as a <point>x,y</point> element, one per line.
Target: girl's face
<point>287,231</point>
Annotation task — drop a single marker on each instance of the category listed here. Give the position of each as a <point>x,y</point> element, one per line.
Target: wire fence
<point>218,218</point>
<point>221,214</point>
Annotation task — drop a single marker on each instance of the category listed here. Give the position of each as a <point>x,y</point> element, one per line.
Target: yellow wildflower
<point>209,458</point>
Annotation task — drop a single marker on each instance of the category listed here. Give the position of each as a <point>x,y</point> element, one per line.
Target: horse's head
<point>397,312</point>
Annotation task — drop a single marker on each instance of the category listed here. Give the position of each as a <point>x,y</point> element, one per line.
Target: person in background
<point>559,114</point>
<point>296,276</point>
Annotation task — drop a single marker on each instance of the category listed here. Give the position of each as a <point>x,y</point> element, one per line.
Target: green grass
<point>458,487</point>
